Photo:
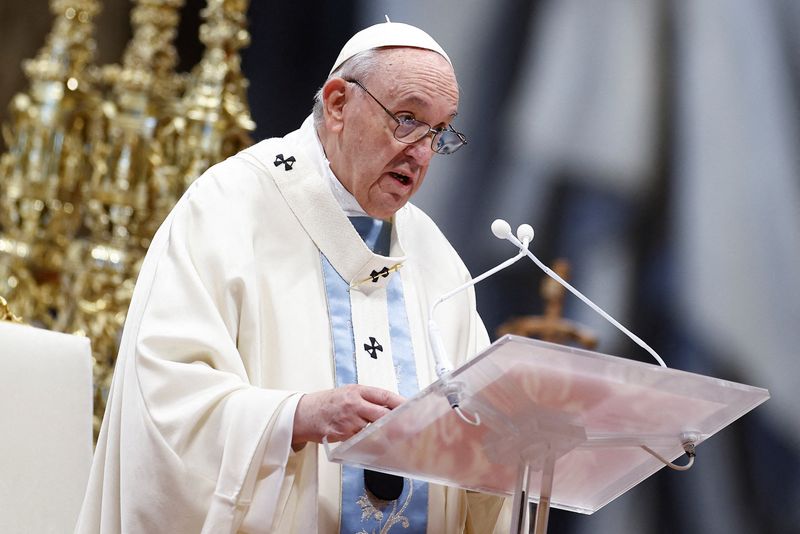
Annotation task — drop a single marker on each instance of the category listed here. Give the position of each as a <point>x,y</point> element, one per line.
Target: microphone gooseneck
<point>502,230</point>
<point>522,244</point>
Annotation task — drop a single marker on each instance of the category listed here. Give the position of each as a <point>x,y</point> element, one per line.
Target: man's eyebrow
<point>414,99</point>
<point>453,115</point>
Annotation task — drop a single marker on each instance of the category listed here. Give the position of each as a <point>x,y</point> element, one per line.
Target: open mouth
<point>402,178</point>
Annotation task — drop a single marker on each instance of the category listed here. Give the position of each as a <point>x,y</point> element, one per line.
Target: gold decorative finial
<point>215,121</point>
<point>5,312</point>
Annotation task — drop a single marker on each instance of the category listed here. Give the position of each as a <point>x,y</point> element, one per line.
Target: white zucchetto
<point>387,34</point>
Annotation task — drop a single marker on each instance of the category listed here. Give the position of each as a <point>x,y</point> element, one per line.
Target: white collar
<point>308,136</point>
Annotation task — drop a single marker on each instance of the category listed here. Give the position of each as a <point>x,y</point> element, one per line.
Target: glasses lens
<point>447,142</point>
<point>410,130</point>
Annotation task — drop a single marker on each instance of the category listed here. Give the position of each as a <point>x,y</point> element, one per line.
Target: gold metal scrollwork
<point>6,314</point>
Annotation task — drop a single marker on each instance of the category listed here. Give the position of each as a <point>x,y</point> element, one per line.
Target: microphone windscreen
<point>501,229</point>
<point>525,231</point>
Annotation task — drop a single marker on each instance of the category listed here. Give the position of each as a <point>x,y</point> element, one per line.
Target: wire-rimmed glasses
<point>410,130</point>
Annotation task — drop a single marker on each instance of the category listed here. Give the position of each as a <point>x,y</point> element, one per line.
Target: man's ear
<point>334,96</point>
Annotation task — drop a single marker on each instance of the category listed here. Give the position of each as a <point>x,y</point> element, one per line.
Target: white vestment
<point>229,324</point>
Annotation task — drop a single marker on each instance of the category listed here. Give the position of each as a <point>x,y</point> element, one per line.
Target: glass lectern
<point>547,423</point>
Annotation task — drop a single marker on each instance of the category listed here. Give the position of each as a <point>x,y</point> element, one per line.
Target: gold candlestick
<point>98,156</point>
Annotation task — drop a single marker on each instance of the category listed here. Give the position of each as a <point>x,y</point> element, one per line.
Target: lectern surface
<point>592,411</point>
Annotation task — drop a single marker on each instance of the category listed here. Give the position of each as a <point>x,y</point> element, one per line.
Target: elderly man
<point>284,300</point>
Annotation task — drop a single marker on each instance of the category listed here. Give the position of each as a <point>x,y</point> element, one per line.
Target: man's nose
<point>421,151</point>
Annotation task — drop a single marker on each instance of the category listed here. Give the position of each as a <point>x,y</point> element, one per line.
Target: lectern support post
<point>543,508</point>
<point>520,522</point>
<point>520,519</point>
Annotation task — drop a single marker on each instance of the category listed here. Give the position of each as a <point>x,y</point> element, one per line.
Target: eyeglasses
<point>410,130</point>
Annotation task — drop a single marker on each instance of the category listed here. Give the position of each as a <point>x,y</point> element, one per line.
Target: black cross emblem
<point>373,347</point>
<point>377,274</point>
<point>287,163</point>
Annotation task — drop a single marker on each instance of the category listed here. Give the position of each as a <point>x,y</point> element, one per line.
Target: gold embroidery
<point>373,278</point>
<point>369,510</point>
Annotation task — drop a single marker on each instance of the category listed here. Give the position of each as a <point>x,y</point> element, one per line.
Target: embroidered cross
<point>287,163</point>
<point>373,347</point>
<point>377,274</point>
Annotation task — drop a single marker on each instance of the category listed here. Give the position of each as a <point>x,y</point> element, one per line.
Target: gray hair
<point>358,67</point>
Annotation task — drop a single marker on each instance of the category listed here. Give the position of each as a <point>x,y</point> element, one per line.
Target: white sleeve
<point>201,437</point>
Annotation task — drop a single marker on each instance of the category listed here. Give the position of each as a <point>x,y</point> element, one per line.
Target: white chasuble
<point>230,323</point>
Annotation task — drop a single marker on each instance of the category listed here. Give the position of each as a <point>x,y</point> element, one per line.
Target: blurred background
<point>654,144</point>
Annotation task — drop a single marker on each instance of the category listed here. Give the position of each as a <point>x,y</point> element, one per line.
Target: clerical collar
<point>347,202</point>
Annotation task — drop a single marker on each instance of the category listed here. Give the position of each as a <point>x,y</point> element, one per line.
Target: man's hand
<point>339,413</point>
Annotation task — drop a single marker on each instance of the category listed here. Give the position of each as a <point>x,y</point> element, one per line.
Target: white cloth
<point>46,417</point>
<point>228,323</point>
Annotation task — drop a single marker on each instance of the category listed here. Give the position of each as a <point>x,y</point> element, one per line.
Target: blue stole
<point>362,512</point>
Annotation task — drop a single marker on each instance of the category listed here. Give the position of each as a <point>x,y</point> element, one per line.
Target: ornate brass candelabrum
<point>98,156</point>
<point>40,176</point>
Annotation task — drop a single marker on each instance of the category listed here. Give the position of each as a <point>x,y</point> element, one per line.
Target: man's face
<point>379,171</point>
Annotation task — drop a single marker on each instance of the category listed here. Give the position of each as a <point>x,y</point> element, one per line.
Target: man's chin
<point>385,211</point>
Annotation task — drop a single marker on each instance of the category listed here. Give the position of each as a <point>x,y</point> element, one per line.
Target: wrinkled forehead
<point>417,78</point>
<point>406,65</point>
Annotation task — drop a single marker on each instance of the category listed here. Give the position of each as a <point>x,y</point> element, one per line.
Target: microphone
<point>525,234</point>
<point>502,230</point>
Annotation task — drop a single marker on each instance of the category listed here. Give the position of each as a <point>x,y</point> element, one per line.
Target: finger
<point>381,397</point>
<point>353,428</point>
<point>372,412</point>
